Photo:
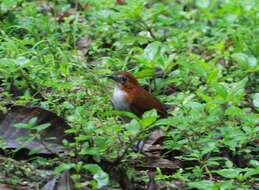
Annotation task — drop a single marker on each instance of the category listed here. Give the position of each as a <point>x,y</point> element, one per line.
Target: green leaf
<point>229,173</point>
<point>149,118</point>
<point>22,61</point>
<point>255,98</point>
<point>236,91</point>
<point>63,167</point>
<point>7,5</point>
<point>203,185</point>
<point>252,61</point>
<point>100,176</point>
<point>202,3</point>
<point>254,163</point>
<point>229,163</point>
<point>42,127</point>
<point>33,121</point>
<point>245,61</point>
<point>152,50</point>
<point>22,125</point>
<point>133,127</point>
<point>233,137</point>
<point>29,125</point>
<point>95,151</point>
<point>251,172</point>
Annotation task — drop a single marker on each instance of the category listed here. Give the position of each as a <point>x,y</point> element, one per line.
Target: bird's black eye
<point>124,79</point>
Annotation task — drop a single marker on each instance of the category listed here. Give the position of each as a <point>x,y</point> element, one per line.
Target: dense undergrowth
<point>199,56</point>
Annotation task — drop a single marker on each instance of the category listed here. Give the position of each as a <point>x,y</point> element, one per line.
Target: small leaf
<point>252,61</point>
<point>22,125</point>
<point>229,163</point>
<point>63,167</point>
<point>33,121</point>
<point>21,61</point>
<point>42,127</point>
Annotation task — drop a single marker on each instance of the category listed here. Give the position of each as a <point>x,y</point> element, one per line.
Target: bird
<point>129,95</point>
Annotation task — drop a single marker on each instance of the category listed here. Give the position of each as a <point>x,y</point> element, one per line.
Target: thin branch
<point>131,143</point>
<point>208,172</point>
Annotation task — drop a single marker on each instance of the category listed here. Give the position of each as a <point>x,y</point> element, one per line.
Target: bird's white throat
<point>119,99</point>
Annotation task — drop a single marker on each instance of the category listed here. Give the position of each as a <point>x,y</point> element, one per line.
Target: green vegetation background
<point>200,56</point>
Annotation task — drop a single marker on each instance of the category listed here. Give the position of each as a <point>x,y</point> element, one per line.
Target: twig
<point>208,172</point>
<point>45,146</point>
<point>131,143</point>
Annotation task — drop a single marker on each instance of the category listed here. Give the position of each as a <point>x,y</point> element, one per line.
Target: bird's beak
<point>113,77</point>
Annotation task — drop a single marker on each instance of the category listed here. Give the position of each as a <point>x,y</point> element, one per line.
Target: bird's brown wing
<point>142,101</point>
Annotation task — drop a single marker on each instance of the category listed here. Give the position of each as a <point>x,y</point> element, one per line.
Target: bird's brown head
<point>124,80</point>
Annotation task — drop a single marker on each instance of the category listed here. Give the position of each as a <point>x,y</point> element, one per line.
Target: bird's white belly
<point>119,99</point>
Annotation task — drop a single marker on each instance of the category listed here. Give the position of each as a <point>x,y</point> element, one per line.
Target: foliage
<point>200,56</point>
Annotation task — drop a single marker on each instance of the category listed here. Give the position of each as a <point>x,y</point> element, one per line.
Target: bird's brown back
<point>141,101</point>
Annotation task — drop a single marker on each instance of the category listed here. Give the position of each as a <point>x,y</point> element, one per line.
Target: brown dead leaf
<point>151,164</point>
<point>50,139</point>
<point>151,147</point>
<point>61,16</point>
<point>72,14</point>
<point>161,163</point>
<point>155,137</point>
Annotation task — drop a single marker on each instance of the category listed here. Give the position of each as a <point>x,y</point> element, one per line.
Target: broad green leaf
<point>254,163</point>
<point>245,61</point>
<point>203,185</point>
<point>236,90</point>
<point>229,173</point>
<point>100,176</point>
<point>152,50</point>
<point>251,172</point>
<point>94,151</point>
<point>133,127</point>
<point>149,118</point>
